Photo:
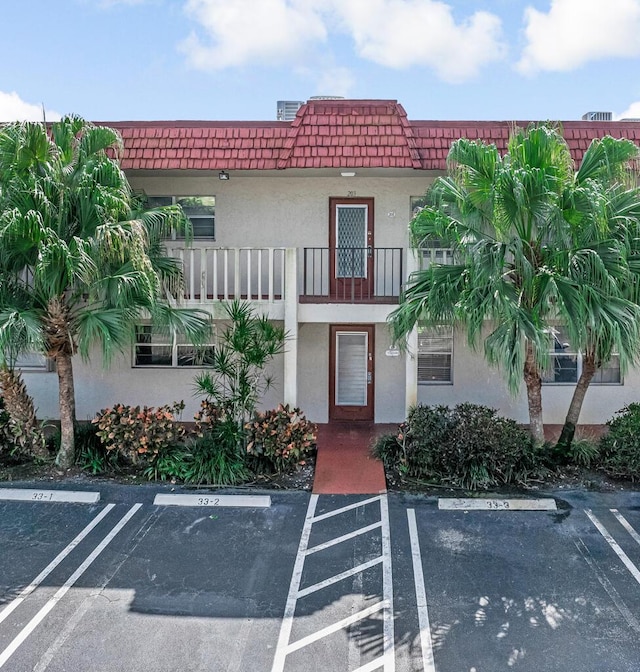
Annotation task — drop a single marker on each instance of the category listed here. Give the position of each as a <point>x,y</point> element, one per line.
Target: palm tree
<point>79,261</point>
<point>534,242</point>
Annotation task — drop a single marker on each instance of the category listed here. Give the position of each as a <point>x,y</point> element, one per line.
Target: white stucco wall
<point>284,211</point>
<point>475,381</point>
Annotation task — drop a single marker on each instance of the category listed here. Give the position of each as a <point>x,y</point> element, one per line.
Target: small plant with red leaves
<point>281,439</point>
<point>138,433</point>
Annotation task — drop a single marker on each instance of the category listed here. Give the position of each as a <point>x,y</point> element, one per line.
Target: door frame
<point>352,413</point>
<point>357,286</point>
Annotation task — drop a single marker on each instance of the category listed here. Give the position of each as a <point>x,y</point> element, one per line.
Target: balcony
<point>351,275</point>
<point>224,274</point>
<point>345,275</point>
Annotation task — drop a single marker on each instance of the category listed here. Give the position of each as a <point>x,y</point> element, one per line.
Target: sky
<point>114,60</point>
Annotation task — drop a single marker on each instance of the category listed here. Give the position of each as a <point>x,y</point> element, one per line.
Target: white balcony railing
<point>224,274</point>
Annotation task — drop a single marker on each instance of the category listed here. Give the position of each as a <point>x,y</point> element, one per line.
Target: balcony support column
<point>291,327</point>
<point>411,355</point>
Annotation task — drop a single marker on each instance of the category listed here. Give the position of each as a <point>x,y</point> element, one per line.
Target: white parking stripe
<point>344,509</point>
<point>62,591</point>
<point>339,577</point>
<point>627,525</point>
<point>387,588</point>
<point>25,592</point>
<point>334,627</point>
<point>421,595</point>
<point>344,537</point>
<point>294,586</point>
<point>635,572</point>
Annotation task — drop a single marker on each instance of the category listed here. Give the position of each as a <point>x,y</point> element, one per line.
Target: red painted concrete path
<point>344,465</point>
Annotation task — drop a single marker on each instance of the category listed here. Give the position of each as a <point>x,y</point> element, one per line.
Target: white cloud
<point>336,81</point>
<point>393,33</point>
<point>632,112</point>
<point>245,31</point>
<point>574,32</point>
<point>405,33</point>
<point>13,108</point>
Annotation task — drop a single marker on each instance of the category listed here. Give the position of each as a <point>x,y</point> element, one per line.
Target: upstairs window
<point>201,211</point>
<point>435,355</point>
<point>157,348</point>
<point>566,363</point>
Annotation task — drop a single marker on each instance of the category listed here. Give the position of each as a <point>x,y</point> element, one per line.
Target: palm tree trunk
<point>573,414</point>
<point>533,383</point>
<point>67,401</point>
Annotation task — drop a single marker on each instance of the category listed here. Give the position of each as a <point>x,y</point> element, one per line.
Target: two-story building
<point>307,220</point>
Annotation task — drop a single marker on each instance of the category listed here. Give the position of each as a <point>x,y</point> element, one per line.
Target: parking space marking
<point>626,560</point>
<point>249,501</point>
<point>344,509</point>
<point>67,496</point>
<point>344,537</point>
<point>386,660</point>
<point>62,591</point>
<point>426,642</point>
<point>334,627</point>
<point>607,585</point>
<point>627,525</point>
<point>493,504</point>
<point>294,587</point>
<point>25,592</point>
<point>339,577</point>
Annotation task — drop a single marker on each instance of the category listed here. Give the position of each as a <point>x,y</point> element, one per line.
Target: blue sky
<point>114,60</point>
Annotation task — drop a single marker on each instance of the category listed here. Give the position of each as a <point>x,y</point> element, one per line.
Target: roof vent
<point>597,116</point>
<point>326,98</point>
<point>287,109</point>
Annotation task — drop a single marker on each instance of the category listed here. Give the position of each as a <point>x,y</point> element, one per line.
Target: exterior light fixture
<point>223,175</point>
<point>348,173</point>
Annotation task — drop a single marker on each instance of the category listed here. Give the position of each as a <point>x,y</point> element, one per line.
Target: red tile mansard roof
<point>327,134</point>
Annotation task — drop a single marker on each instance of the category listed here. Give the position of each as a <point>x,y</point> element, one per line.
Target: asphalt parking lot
<point>307,583</point>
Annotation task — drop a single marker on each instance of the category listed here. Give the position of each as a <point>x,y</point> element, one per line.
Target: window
<point>433,251</point>
<point>33,361</point>
<point>435,353</point>
<point>199,209</point>
<point>158,348</point>
<point>566,363</point>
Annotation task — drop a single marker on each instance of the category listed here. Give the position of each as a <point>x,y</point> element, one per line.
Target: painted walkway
<point>344,465</point>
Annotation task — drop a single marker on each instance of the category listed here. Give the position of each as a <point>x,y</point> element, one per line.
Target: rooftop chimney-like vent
<point>287,109</point>
<point>597,116</point>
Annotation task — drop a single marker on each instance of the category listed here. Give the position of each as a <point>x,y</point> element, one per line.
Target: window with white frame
<point>33,361</point>
<point>566,363</point>
<point>201,211</point>
<point>154,347</point>
<point>433,251</point>
<point>435,355</point>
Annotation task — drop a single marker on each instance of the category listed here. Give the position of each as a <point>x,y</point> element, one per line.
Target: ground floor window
<point>566,362</point>
<point>33,361</point>
<point>435,355</point>
<point>154,347</point>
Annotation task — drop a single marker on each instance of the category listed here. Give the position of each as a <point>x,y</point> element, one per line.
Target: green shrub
<point>91,454</point>
<point>281,439</point>
<point>139,433</point>
<point>469,446</point>
<point>620,446</point>
<point>214,457</point>
<point>584,453</point>
<point>169,464</point>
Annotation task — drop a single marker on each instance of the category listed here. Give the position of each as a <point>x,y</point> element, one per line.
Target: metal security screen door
<point>352,373</point>
<point>351,247</point>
